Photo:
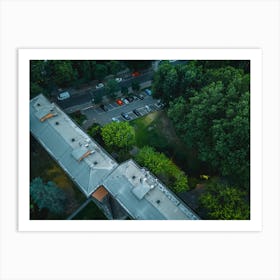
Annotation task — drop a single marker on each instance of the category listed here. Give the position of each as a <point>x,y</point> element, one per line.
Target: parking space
<point>114,111</point>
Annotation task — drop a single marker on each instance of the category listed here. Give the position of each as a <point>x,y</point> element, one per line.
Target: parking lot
<point>98,115</point>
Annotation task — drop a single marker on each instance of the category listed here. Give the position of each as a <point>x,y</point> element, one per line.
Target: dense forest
<point>209,105</point>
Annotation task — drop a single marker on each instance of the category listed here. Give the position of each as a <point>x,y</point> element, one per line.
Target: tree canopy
<point>164,168</point>
<point>225,203</point>
<point>112,87</point>
<point>210,109</point>
<point>118,135</point>
<point>47,195</point>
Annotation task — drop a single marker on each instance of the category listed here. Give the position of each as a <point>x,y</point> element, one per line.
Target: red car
<point>119,102</point>
<point>135,74</point>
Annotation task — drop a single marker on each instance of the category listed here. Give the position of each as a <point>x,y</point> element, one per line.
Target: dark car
<point>129,99</point>
<point>141,96</point>
<point>137,113</point>
<point>126,116</point>
<point>103,107</point>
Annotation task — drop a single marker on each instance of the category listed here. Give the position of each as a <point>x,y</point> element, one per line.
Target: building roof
<point>138,191</point>
<point>100,193</point>
<point>79,155</point>
<point>143,196</point>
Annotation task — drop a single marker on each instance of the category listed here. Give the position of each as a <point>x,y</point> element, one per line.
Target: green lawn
<point>157,130</point>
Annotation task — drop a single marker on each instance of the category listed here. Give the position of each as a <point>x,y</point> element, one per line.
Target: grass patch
<point>156,130</point>
<point>90,212</point>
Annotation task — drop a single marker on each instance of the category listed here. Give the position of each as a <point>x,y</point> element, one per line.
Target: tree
<point>164,168</point>
<point>124,90</point>
<point>165,85</point>
<point>112,87</point>
<point>215,121</point>
<point>115,66</point>
<point>63,73</point>
<point>118,135</point>
<point>83,68</point>
<point>225,203</point>
<point>47,196</point>
<point>135,86</point>
<point>135,65</point>
<point>100,71</point>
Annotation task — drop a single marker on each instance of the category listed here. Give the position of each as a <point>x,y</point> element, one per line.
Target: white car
<point>118,80</point>
<point>100,85</point>
<point>124,100</point>
<point>63,95</point>
<point>115,120</point>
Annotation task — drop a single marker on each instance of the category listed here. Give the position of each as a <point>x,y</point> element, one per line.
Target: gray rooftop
<point>138,191</point>
<point>143,196</point>
<point>67,144</point>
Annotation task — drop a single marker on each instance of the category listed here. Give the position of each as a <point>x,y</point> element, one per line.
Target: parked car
<point>135,74</point>
<point>63,95</point>
<point>115,120</point>
<point>148,92</point>
<point>135,97</point>
<point>141,96</point>
<point>100,85</point>
<point>124,100</point>
<point>130,99</point>
<point>137,113</point>
<point>119,102</point>
<point>118,80</point>
<point>126,116</point>
<point>104,107</point>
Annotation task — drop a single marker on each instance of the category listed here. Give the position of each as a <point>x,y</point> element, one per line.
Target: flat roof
<point>143,196</point>
<point>67,144</point>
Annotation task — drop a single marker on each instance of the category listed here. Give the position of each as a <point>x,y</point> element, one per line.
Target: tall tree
<point>216,122</point>
<point>47,195</point>
<point>115,66</point>
<point>100,71</point>
<point>135,65</point>
<point>112,87</point>
<point>118,135</point>
<point>225,203</point>
<point>63,73</point>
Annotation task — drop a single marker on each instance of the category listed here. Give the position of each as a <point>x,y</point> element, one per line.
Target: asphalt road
<point>86,96</point>
<point>97,115</point>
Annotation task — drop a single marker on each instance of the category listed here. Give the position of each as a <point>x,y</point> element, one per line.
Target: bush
<point>164,168</point>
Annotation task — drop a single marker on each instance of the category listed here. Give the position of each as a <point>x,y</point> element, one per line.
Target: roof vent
<point>38,104</point>
<point>73,139</point>
<point>95,163</point>
<point>57,123</point>
<point>133,177</point>
<point>158,201</point>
